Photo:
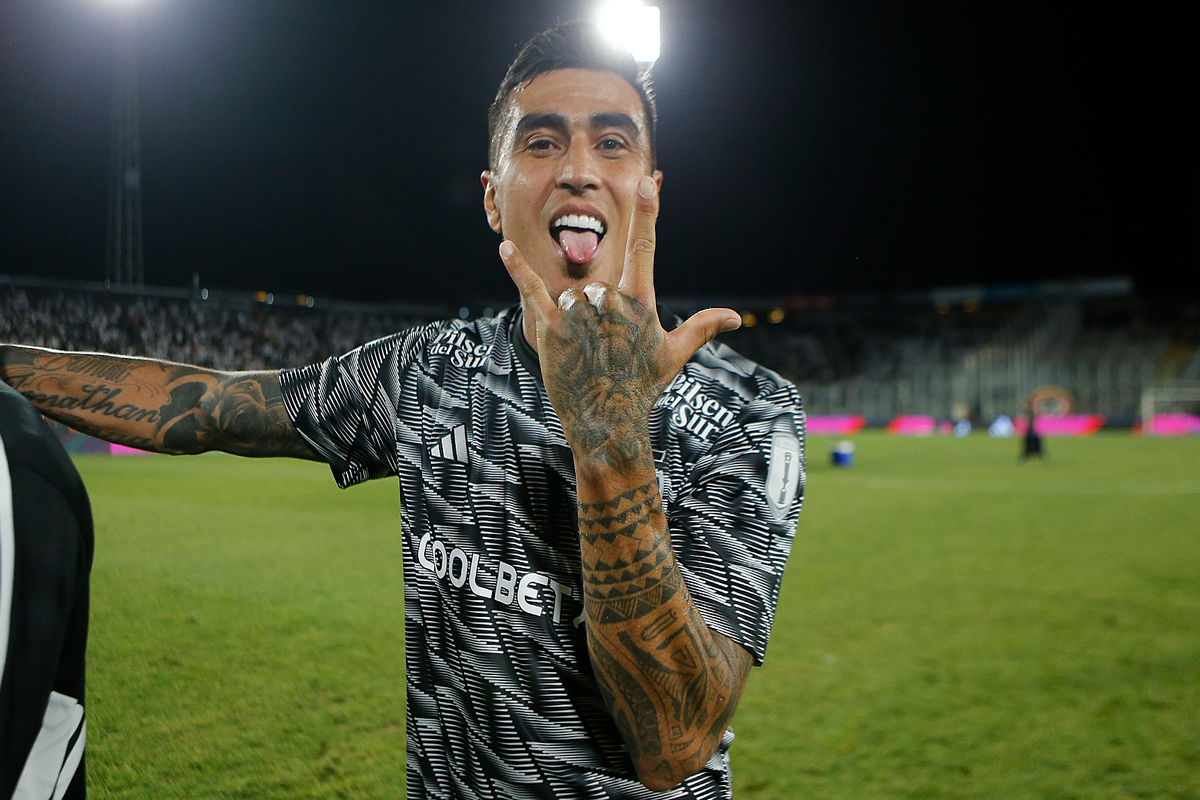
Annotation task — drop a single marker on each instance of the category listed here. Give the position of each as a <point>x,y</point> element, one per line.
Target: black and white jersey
<point>502,702</point>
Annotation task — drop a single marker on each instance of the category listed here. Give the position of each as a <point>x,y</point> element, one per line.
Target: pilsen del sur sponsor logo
<point>463,351</point>
<point>692,409</point>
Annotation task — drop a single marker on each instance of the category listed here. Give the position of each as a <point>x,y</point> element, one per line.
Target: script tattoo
<point>153,405</point>
<point>670,683</point>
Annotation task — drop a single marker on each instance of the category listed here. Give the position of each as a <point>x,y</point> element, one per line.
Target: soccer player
<point>598,501</point>
<point>45,561</point>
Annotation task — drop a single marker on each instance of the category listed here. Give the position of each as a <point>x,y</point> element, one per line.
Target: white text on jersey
<point>460,570</point>
<point>693,410</point>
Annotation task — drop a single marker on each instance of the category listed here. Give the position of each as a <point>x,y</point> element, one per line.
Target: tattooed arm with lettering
<point>156,405</point>
<point>670,682</point>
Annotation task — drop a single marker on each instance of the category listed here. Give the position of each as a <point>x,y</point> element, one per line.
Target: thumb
<point>700,329</point>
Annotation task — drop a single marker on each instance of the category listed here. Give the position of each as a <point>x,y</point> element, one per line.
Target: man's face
<point>573,145</point>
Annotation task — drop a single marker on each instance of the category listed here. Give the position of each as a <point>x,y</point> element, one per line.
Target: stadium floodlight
<point>633,26</point>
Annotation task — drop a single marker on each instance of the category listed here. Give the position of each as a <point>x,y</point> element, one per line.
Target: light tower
<point>123,266</point>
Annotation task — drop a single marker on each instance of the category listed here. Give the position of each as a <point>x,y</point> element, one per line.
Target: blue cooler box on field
<point>843,454</point>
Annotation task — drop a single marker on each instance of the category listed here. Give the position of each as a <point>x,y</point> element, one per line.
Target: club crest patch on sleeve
<point>785,466</point>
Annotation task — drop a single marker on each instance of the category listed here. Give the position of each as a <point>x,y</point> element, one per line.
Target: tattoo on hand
<point>606,378</point>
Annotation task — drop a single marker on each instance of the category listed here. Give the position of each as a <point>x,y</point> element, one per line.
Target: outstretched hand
<point>605,357</point>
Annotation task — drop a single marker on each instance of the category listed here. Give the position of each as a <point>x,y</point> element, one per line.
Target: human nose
<point>577,170</point>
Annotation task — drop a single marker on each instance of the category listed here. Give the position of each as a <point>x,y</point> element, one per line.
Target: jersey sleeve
<point>734,519</point>
<point>345,407</point>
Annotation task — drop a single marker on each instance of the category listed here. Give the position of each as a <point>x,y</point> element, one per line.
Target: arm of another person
<point>670,682</point>
<point>156,405</point>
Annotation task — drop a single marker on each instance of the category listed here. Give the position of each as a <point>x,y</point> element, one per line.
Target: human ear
<point>490,207</point>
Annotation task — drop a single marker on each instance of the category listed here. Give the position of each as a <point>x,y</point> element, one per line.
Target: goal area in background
<point>1171,409</point>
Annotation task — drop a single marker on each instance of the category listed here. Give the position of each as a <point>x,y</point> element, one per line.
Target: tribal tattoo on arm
<point>671,683</point>
<point>156,405</point>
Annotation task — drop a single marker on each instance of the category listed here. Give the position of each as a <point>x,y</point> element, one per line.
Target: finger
<point>700,328</point>
<point>534,296</point>
<point>637,278</point>
<point>569,298</point>
<point>602,296</point>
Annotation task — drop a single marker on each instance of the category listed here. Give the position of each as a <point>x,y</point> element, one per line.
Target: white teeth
<point>581,221</point>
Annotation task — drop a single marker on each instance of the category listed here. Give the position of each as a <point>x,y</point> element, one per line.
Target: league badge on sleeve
<point>785,469</point>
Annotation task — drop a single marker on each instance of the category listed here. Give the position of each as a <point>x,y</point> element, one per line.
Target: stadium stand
<point>947,355</point>
<point>228,333</point>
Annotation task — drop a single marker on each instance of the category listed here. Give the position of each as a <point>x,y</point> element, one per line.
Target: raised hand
<point>605,358</point>
<point>670,683</point>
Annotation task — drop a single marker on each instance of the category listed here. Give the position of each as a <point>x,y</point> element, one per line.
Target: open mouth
<point>578,235</point>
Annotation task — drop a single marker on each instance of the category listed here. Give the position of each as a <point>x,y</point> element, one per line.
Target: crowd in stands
<point>876,344</point>
<point>253,336</point>
<point>239,336</point>
<point>882,343</point>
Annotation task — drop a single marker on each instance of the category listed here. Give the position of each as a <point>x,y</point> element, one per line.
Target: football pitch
<point>953,624</point>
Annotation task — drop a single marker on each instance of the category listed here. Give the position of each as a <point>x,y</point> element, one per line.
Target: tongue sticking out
<point>580,246</point>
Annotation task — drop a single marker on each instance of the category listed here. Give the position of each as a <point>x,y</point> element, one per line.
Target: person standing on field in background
<point>598,501</point>
<point>1031,442</point>
<point>45,562</point>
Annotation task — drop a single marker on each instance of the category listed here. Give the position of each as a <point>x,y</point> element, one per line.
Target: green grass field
<point>953,624</point>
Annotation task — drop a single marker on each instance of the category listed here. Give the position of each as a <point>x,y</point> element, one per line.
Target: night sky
<point>334,148</point>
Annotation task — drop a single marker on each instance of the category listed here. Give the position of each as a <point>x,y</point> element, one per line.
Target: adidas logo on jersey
<point>452,446</point>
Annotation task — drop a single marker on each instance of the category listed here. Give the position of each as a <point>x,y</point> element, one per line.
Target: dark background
<point>334,148</point>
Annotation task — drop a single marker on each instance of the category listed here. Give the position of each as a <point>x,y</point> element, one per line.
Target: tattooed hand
<point>605,358</point>
<point>670,683</point>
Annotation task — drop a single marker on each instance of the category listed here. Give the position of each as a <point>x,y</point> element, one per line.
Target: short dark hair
<point>572,45</point>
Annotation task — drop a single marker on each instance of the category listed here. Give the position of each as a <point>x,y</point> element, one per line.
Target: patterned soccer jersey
<point>502,702</point>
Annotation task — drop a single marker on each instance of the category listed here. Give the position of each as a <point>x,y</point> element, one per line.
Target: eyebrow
<point>531,122</point>
<point>557,122</point>
<point>613,119</point>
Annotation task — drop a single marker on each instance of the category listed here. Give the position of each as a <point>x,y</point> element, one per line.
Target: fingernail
<point>646,187</point>
<point>506,249</point>
<point>731,324</point>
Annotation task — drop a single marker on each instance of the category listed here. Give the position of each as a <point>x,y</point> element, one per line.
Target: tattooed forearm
<point>248,418</point>
<point>670,682</point>
<point>155,405</point>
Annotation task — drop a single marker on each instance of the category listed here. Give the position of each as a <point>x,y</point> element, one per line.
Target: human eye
<point>612,145</point>
<point>541,145</point>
